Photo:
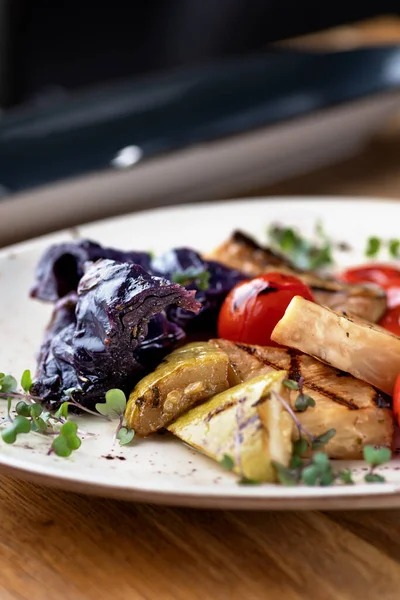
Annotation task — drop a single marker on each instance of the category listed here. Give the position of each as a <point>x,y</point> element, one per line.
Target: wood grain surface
<point>56,545</point>
<point>65,546</point>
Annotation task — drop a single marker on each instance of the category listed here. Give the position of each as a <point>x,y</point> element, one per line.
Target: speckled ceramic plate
<point>161,469</point>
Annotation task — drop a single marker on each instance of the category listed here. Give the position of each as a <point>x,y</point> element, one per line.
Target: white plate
<point>162,469</point>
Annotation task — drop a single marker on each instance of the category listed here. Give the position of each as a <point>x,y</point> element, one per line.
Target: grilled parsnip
<point>187,376</point>
<point>366,351</point>
<point>243,253</point>
<point>247,422</point>
<point>359,414</point>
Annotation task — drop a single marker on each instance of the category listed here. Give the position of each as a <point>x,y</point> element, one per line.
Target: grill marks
<point>245,254</point>
<point>294,369</point>
<point>253,352</point>
<point>295,372</point>
<point>220,409</point>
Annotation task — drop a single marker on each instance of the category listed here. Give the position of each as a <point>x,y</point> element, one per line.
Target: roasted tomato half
<point>385,276</point>
<point>253,308</point>
<point>391,320</point>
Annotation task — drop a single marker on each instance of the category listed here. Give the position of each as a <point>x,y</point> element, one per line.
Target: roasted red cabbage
<point>119,318</point>
<point>117,314</point>
<point>61,266</point>
<point>185,263</point>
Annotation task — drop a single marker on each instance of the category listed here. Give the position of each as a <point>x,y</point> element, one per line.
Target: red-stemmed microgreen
<point>29,416</point>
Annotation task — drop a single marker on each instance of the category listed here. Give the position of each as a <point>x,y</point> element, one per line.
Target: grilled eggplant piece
<point>359,414</point>
<point>187,376</point>
<point>247,422</point>
<point>243,253</point>
<point>367,351</point>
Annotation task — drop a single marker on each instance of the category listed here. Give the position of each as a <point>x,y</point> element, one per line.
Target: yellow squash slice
<point>189,375</point>
<point>248,423</point>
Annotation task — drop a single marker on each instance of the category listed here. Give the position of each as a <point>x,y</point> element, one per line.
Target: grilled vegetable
<point>252,308</point>
<point>187,376</point>
<point>359,414</point>
<point>61,266</point>
<point>243,253</point>
<point>229,425</point>
<point>385,276</point>
<point>106,341</point>
<point>367,351</point>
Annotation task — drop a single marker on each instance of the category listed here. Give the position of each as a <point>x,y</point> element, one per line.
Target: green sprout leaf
<point>193,275</point>
<point>62,412</point>
<point>327,477</point>
<point>303,253</point>
<point>309,475</point>
<point>321,459</point>
<point>394,248</point>
<point>285,476</point>
<point>373,247</point>
<point>376,456</point>
<point>26,381</point>
<point>67,440</point>
<point>323,439</point>
<point>300,447</point>
<point>35,410</point>
<point>246,481</point>
<point>346,477</point>
<point>9,384</point>
<point>38,424</point>
<point>114,406</point>
<point>292,385</point>
<point>125,435</point>
<point>19,425</point>
<point>303,401</point>
<point>61,446</point>
<point>227,462</point>
<point>296,462</point>
<point>23,409</point>
<point>374,478</point>
<point>68,429</point>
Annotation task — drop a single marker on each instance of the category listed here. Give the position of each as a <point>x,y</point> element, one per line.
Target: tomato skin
<point>396,400</point>
<point>387,277</point>
<point>391,320</point>
<point>253,308</point>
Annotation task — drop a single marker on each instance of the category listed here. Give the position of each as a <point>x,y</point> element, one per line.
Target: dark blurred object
<point>124,125</point>
<point>51,48</point>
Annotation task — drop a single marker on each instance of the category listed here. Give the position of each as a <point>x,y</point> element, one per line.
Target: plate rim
<point>75,230</point>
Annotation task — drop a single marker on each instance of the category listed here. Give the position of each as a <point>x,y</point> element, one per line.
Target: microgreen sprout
<point>66,441</point>
<point>199,276</point>
<point>114,408</point>
<point>227,462</point>
<point>29,415</point>
<point>303,401</point>
<point>304,254</point>
<point>373,246</point>
<point>8,386</point>
<point>394,248</point>
<point>375,457</point>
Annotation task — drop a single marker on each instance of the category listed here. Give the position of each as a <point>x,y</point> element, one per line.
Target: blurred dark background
<point>50,48</point>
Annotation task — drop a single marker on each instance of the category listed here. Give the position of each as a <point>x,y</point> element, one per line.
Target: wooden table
<point>56,545</point>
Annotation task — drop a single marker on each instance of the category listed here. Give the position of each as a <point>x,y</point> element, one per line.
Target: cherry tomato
<point>391,320</point>
<point>396,400</point>
<point>253,308</point>
<point>385,276</point>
